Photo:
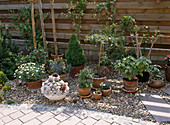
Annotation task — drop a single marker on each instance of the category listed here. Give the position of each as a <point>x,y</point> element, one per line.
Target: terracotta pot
<point>84,91</point>
<point>34,85</point>
<point>130,85</point>
<point>167,73</point>
<point>106,92</point>
<point>97,81</point>
<point>75,70</point>
<point>144,78</point>
<point>156,83</point>
<point>97,96</point>
<point>64,77</point>
<point>109,67</point>
<point>59,56</point>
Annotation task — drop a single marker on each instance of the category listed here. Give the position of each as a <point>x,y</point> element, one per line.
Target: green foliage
<point>10,102</point>
<point>132,67</point>
<point>3,78</point>
<point>59,66</point>
<point>3,92</point>
<point>75,54</point>
<point>104,85</point>
<point>105,61</point>
<point>98,91</point>
<point>85,78</point>
<point>127,23</point>
<point>155,72</point>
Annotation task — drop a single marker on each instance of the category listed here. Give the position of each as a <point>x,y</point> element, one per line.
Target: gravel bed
<point>118,102</point>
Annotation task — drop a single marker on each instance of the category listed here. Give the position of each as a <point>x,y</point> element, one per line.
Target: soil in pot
<point>106,92</point>
<point>144,78</point>
<point>97,96</point>
<point>97,81</point>
<point>34,85</point>
<point>167,73</point>
<point>75,70</point>
<point>130,85</point>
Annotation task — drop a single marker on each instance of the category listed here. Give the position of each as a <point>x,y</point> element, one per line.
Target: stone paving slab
<point>59,115</point>
<point>167,90</point>
<point>159,109</point>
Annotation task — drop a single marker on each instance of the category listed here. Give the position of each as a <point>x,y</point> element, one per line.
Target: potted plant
<point>97,94</point>
<point>85,82</point>
<point>54,88</point>
<point>61,67</point>
<point>105,88</point>
<point>32,74</point>
<point>167,68</point>
<point>75,56</point>
<point>156,78</point>
<point>105,61</point>
<point>130,68</point>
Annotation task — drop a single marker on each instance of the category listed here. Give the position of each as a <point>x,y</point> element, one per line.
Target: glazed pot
<point>84,91</point>
<point>130,85</point>
<point>167,73</point>
<point>64,77</point>
<point>97,96</point>
<point>34,85</point>
<point>97,81</point>
<point>144,78</point>
<point>106,92</point>
<point>75,70</point>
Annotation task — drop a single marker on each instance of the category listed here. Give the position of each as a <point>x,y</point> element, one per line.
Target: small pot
<point>130,85</point>
<point>97,81</point>
<point>106,92</point>
<point>64,77</point>
<point>34,85</point>
<point>156,83</point>
<point>167,73</point>
<point>97,96</point>
<point>75,70</point>
<point>84,91</point>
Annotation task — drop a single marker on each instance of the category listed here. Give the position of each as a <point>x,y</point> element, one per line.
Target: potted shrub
<point>167,67</point>
<point>75,56</point>
<point>97,94</point>
<point>156,78</point>
<point>105,88</point>
<point>54,88</point>
<point>32,74</point>
<point>85,83</point>
<point>130,68</point>
<point>61,67</point>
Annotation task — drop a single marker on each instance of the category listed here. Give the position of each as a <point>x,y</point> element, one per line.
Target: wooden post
<point>33,23</point>
<point>100,55</point>
<point>54,30</point>
<point>42,24</point>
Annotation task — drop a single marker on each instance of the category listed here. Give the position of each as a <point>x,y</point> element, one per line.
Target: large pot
<point>84,91</point>
<point>64,77</point>
<point>34,85</point>
<point>75,70</point>
<point>106,92</point>
<point>97,81</point>
<point>130,85</point>
<point>144,78</point>
<point>56,97</point>
<point>167,73</point>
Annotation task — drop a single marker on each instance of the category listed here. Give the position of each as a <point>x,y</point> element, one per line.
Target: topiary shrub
<point>75,54</point>
<point>3,78</point>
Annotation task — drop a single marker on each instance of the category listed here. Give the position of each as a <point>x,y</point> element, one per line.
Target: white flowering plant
<point>30,72</point>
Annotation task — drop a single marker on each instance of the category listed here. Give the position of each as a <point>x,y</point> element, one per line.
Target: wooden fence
<point>146,12</point>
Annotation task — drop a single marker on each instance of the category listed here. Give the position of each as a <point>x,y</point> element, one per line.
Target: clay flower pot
<point>84,91</point>
<point>156,83</point>
<point>130,86</point>
<point>34,85</point>
<point>97,96</point>
<point>106,92</point>
<point>97,81</point>
<point>75,70</point>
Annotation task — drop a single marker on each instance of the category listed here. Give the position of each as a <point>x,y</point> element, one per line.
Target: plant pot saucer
<point>85,96</point>
<point>128,91</point>
<point>156,86</point>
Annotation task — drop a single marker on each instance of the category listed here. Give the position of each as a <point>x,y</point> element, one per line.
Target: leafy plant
<point>85,78</point>
<point>105,61</point>
<point>75,54</point>
<point>104,85</point>
<point>98,91</point>
<point>29,72</point>
<point>3,92</point>
<point>155,72</point>
<point>132,67</point>
<point>3,78</point>
<point>59,66</point>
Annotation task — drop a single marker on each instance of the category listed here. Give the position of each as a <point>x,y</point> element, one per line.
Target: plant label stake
<point>54,31</point>
<point>33,22</point>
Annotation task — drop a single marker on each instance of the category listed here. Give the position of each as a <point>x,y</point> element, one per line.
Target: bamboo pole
<point>42,25</point>
<point>54,30</point>
<point>100,55</point>
<point>33,23</point>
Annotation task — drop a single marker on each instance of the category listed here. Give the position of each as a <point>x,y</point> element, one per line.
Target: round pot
<point>106,92</point>
<point>34,85</point>
<point>75,70</point>
<point>167,73</point>
<point>144,78</point>
<point>156,83</point>
<point>130,85</point>
<point>84,91</point>
<point>97,81</point>
<point>56,97</point>
<point>64,77</point>
<point>97,96</point>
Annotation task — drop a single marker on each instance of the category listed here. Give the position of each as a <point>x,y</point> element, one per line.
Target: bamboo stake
<point>100,55</point>
<point>152,47</point>
<point>137,43</point>
<point>54,30</point>
<point>42,25</point>
<point>33,23</point>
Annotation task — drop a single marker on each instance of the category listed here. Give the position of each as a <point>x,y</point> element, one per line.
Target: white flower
<point>27,72</point>
<point>36,70</point>
<point>19,77</point>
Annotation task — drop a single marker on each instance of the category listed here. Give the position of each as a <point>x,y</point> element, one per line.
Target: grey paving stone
<point>73,120</point>
<point>6,119</point>
<point>97,117</point>
<point>167,90</point>
<point>16,115</point>
<point>80,123</point>
<point>1,122</point>
<point>33,122</point>
<point>62,116</point>
<point>1,115</point>
<point>89,121</point>
<point>82,114</point>
<point>101,122</point>
<point>29,116</point>
<point>45,116</point>
<point>25,111</point>
<point>6,111</point>
<point>14,122</point>
<point>159,109</point>
<point>51,121</point>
